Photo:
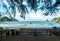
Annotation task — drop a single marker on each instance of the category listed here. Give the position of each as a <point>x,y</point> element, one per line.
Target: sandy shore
<point>18,38</point>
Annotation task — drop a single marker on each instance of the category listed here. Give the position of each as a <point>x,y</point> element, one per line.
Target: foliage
<point>1,28</point>
<point>8,19</point>
<point>48,6</point>
<point>57,19</point>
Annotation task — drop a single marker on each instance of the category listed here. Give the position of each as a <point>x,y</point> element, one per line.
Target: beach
<point>26,31</point>
<point>28,24</point>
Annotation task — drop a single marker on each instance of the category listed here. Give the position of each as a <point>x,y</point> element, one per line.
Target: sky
<point>37,17</point>
<point>31,16</point>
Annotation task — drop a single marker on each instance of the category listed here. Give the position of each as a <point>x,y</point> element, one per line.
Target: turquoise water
<point>32,22</point>
<point>27,22</point>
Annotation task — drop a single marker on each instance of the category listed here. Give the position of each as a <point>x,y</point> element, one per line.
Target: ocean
<point>29,24</point>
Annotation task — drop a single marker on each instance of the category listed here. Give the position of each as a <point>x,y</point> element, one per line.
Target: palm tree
<point>33,5</point>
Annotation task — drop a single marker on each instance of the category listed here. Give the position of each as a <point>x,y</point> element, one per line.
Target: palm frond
<point>52,8</point>
<point>33,4</point>
<point>22,8</point>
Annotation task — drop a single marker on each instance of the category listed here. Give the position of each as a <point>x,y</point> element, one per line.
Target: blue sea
<point>31,22</point>
<point>46,23</point>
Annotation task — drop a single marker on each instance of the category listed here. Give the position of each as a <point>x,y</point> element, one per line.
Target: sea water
<point>30,23</point>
